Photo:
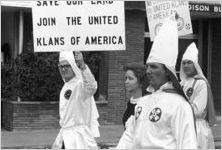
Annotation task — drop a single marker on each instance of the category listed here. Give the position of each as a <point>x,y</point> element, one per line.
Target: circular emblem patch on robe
<point>68,94</point>
<point>138,112</point>
<point>180,23</point>
<point>155,114</point>
<point>189,92</point>
<point>157,28</point>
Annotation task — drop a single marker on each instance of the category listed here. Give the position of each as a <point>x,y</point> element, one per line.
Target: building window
<point>5,53</point>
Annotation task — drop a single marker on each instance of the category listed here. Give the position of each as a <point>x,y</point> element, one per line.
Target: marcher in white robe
<point>197,89</point>
<point>77,108</point>
<point>163,119</point>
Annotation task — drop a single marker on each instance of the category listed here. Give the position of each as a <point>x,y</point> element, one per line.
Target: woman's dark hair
<point>139,71</point>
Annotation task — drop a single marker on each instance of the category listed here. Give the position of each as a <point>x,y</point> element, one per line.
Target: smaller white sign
<point>158,11</point>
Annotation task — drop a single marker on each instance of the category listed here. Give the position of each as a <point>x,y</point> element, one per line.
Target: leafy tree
<point>35,76</point>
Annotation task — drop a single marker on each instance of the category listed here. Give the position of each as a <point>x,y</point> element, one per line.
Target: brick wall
<point>117,98</point>
<point>30,115</point>
<point>103,74</point>
<point>216,63</point>
<point>6,115</point>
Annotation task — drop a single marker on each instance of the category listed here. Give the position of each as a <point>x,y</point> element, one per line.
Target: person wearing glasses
<point>77,108</point>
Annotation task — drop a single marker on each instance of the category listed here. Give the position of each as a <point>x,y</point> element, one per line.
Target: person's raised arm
<point>89,82</point>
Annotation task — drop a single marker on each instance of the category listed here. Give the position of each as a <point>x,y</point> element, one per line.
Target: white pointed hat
<point>191,53</point>
<point>165,46</point>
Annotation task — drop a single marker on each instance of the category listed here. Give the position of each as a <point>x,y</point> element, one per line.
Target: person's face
<point>189,68</point>
<point>156,75</point>
<point>65,70</point>
<point>131,81</point>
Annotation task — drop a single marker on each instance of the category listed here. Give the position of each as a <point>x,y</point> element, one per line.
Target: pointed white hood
<point>165,47</point>
<point>191,53</point>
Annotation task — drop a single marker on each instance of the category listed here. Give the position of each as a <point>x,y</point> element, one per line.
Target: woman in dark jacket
<point>135,84</point>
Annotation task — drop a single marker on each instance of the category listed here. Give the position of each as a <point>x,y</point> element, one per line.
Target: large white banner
<point>78,26</point>
<point>158,11</point>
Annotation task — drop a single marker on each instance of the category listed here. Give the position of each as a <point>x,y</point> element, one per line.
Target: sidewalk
<point>42,139</point>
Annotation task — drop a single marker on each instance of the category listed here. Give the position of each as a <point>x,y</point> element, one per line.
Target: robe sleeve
<point>182,124</point>
<point>200,98</point>
<point>89,83</point>
<point>126,141</point>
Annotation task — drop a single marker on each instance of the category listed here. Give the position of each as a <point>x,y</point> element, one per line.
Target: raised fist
<point>79,60</point>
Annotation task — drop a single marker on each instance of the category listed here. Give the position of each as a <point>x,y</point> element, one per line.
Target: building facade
<point>16,30</point>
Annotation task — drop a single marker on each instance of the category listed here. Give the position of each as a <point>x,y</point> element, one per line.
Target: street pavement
<point>43,139</point>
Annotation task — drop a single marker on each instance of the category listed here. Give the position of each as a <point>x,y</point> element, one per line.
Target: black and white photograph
<point>111,74</point>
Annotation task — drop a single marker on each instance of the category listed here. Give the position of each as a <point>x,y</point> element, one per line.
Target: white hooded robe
<point>162,121</point>
<point>77,109</point>
<point>199,99</point>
